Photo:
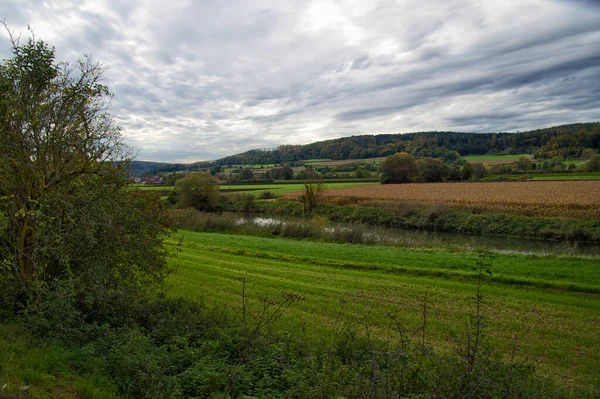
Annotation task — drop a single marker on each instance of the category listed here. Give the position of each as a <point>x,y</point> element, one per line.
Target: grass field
<point>568,176</point>
<point>494,159</point>
<point>555,329</point>
<point>329,162</point>
<point>257,189</point>
<point>542,198</point>
<point>281,189</point>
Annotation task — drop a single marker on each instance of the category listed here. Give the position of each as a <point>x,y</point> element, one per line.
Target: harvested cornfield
<point>579,199</point>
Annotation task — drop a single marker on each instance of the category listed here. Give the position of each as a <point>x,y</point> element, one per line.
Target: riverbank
<point>437,217</point>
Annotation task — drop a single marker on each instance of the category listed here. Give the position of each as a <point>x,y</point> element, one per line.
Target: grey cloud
<point>202,80</point>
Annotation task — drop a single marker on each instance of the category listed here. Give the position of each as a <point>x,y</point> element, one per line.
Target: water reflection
<point>395,236</point>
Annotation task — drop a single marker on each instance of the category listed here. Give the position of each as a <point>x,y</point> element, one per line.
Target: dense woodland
<point>566,141</point>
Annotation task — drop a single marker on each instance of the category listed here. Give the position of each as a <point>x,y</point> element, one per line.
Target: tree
<point>523,164</point>
<point>246,174</point>
<point>398,168</point>
<point>467,170</point>
<point>287,172</point>
<point>198,190</point>
<point>431,170</point>
<point>593,163</point>
<point>63,186</point>
<point>312,194</point>
<point>479,170</point>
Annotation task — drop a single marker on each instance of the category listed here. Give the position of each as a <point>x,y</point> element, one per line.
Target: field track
<point>538,198</point>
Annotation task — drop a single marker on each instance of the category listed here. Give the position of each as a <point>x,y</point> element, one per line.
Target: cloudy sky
<point>199,80</point>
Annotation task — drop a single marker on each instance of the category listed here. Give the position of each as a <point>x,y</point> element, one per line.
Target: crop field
<point>580,199</point>
<point>528,305</point>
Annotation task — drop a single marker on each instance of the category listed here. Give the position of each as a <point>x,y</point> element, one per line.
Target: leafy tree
<point>287,173</point>
<point>479,170</point>
<point>523,164</point>
<point>312,194</point>
<point>246,174</point>
<point>467,170</point>
<point>362,173</point>
<point>431,170</point>
<point>398,168</point>
<point>70,214</point>
<point>593,163</point>
<point>198,190</point>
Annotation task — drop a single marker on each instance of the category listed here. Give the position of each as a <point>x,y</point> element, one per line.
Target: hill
<point>565,141</point>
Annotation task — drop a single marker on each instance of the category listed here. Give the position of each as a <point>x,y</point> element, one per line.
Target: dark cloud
<point>202,80</point>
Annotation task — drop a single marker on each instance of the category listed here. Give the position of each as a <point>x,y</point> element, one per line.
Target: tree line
<point>566,141</point>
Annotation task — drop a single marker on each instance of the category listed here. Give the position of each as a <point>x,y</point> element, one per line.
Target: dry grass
<point>579,199</point>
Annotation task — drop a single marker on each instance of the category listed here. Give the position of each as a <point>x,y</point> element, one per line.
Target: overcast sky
<point>199,80</point>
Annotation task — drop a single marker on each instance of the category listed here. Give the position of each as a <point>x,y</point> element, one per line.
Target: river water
<point>496,244</point>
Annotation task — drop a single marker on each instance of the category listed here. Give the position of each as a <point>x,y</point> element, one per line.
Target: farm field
<point>281,189</point>
<point>537,198</point>
<point>555,329</point>
<point>494,159</point>
<point>329,162</point>
<point>256,189</point>
<point>568,176</point>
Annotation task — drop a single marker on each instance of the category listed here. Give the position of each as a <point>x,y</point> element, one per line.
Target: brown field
<point>579,199</point>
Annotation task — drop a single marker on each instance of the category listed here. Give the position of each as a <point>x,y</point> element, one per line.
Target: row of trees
<point>567,141</point>
<point>404,168</point>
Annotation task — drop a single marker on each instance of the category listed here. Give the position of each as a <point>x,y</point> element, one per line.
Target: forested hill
<point>566,141</point>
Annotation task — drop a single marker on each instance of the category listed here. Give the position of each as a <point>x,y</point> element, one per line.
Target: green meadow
<point>281,189</point>
<point>543,309</point>
<point>489,158</point>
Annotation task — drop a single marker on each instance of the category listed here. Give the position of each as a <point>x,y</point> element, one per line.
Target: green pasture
<point>281,189</point>
<point>257,189</point>
<point>575,162</point>
<point>568,176</point>
<point>151,187</point>
<point>527,300</point>
<point>489,158</point>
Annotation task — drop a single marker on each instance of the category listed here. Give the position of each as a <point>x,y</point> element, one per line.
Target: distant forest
<point>566,141</point>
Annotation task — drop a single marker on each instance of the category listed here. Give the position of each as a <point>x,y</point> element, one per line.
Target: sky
<point>200,80</point>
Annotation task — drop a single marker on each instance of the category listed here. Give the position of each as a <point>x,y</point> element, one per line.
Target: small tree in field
<point>311,195</point>
<point>63,188</point>
<point>198,190</point>
<point>399,168</point>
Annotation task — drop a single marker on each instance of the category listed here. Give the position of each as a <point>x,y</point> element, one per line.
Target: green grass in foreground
<point>34,369</point>
<point>557,330</point>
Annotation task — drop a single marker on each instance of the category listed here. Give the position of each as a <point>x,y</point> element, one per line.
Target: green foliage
<point>567,141</point>
<point>246,174</point>
<point>398,168</point>
<point>311,195</point>
<point>197,190</point>
<point>434,217</point>
<point>64,187</point>
<point>467,170</point>
<point>593,163</point>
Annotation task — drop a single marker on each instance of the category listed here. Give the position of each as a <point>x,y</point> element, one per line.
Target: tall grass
<point>317,228</point>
